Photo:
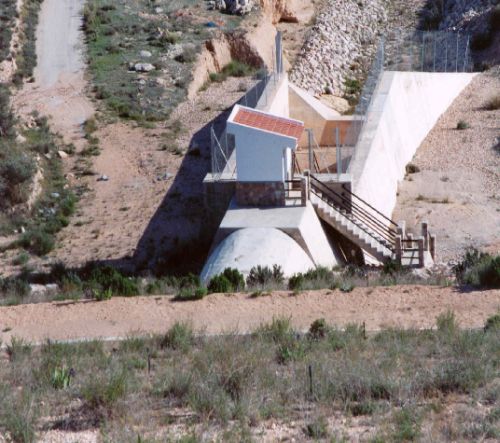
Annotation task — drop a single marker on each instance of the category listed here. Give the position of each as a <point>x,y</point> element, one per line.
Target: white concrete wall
<point>275,98</point>
<point>406,106</point>
<point>259,154</point>
<point>249,247</point>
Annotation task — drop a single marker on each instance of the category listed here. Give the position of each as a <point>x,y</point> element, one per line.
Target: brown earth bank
<point>377,307</point>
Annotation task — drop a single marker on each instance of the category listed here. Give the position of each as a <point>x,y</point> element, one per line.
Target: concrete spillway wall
<point>405,107</point>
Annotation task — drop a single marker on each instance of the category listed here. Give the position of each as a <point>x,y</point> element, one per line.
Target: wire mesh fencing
<point>411,52</point>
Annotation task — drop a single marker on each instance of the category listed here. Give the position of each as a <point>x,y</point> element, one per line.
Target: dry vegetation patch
<point>396,385</point>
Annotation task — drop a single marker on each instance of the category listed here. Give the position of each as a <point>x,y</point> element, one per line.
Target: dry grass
<point>395,383</point>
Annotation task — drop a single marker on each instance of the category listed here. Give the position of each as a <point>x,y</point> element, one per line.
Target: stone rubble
<point>340,44</point>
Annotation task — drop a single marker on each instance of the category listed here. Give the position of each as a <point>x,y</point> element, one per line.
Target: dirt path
<point>58,90</point>
<point>403,306</point>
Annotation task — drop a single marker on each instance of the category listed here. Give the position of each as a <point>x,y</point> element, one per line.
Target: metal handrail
<point>367,217</point>
<point>379,231</point>
<point>391,222</point>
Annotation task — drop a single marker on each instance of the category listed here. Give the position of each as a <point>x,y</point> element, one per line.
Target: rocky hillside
<point>342,42</point>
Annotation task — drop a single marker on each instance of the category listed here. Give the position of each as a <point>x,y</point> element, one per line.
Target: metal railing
<point>371,221</point>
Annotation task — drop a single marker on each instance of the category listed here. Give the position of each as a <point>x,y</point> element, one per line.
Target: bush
<point>462,124</point>
<point>279,330</point>
<point>493,103</point>
<point>412,168</point>
<point>318,329</point>
<point>264,275</point>
<point>478,269</point>
<point>188,55</point>
<point>109,280</point>
<point>20,418</point>
<point>103,392</point>
<point>37,241</point>
<point>317,278</point>
<point>446,323</point>
<point>229,281</point>
<point>191,293</point>
<point>493,323</point>
<point>14,286</point>
<point>179,336</point>
<point>61,377</point>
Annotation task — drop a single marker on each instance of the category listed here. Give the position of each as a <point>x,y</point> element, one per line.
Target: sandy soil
<point>140,211</point>
<point>456,190</point>
<point>397,306</point>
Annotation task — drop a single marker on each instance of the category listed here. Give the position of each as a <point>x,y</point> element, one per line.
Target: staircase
<point>362,224</point>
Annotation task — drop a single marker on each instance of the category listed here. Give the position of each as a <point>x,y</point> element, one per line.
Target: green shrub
<point>493,323</point>
<point>264,275</point>
<point>102,392</point>
<point>14,286</point>
<point>446,323</point>
<point>220,284</point>
<point>191,293</point>
<point>21,259</point>
<point>279,330</point>
<point>6,115</point>
<point>188,55</point>
<point>37,241</point>
<point>462,124</point>
<point>61,377</point>
<point>229,281</point>
<point>318,329</point>
<point>20,418</point>
<point>103,294</point>
<point>478,269</point>
<point>407,425</point>
<point>317,278</point>
<point>107,278</point>
<point>179,336</point>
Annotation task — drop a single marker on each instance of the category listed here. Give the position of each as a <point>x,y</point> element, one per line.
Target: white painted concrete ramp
<point>405,107</point>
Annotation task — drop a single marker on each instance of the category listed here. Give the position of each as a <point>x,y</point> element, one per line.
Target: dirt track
<point>397,306</point>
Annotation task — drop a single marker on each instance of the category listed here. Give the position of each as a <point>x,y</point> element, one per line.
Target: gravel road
<point>378,307</point>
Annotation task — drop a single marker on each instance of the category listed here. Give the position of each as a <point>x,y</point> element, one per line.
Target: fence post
<point>420,243</point>
<point>401,230</point>
<point>212,149</point>
<point>456,59</point>
<point>309,141</point>
<point>434,55</point>
<point>399,249</point>
<point>466,54</point>
<point>446,55</point>
<point>337,149</point>
<point>425,234</point>
<point>432,246</point>
<point>410,240</point>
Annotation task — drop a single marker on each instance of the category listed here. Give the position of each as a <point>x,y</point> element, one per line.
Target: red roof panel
<point>271,123</point>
